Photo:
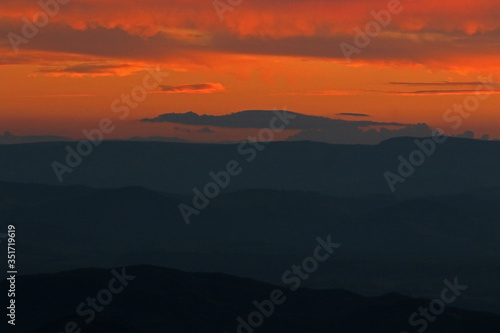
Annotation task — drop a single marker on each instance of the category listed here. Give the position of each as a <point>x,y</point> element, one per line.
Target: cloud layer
<point>310,128</point>
<point>425,32</point>
<point>201,88</point>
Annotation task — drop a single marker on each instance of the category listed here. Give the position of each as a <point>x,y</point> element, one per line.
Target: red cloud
<point>201,88</point>
<point>443,34</point>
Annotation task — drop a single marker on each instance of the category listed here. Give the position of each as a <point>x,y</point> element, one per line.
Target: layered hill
<point>408,246</point>
<point>456,166</point>
<point>163,300</point>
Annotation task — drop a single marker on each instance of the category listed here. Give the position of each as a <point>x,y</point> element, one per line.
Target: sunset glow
<point>261,55</point>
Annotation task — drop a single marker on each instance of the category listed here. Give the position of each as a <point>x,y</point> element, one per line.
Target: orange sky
<point>261,55</point>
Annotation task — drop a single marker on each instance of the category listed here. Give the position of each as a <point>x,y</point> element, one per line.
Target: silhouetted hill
<point>408,246</point>
<point>101,324</point>
<point>164,300</point>
<point>8,138</point>
<point>458,165</point>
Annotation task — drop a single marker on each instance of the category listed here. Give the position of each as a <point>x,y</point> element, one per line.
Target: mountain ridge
<point>175,299</point>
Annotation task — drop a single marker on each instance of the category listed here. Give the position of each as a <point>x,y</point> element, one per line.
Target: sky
<point>419,59</point>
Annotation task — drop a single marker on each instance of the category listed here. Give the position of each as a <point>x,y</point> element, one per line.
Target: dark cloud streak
<point>353,114</point>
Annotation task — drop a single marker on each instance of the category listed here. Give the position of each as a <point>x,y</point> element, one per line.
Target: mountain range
<point>156,298</point>
<point>388,245</point>
<point>455,166</point>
